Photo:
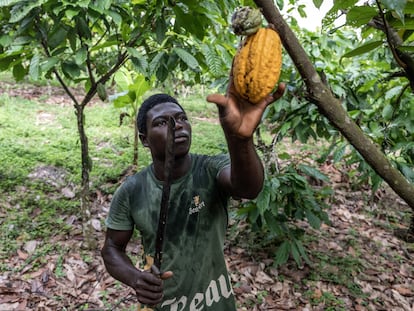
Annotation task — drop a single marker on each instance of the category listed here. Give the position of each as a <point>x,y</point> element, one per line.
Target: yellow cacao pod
<point>257,65</point>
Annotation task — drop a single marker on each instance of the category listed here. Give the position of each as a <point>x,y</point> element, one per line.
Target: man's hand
<point>149,287</point>
<point>238,117</point>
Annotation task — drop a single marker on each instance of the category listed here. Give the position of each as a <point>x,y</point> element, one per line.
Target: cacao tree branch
<point>44,43</point>
<point>122,58</point>
<point>332,109</point>
<point>404,60</point>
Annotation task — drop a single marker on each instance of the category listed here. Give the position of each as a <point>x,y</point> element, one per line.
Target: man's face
<point>157,126</point>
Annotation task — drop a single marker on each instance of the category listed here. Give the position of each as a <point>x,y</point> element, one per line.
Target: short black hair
<point>148,104</point>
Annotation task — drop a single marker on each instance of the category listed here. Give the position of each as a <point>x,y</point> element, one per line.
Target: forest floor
<point>357,263</point>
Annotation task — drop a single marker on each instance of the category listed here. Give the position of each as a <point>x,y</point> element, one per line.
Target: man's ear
<point>143,139</point>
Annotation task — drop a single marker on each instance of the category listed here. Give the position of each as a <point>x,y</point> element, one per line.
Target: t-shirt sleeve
<point>217,163</point>
<point>119,217</point>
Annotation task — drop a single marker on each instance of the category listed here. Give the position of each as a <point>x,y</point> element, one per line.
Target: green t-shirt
<point>195,232</point>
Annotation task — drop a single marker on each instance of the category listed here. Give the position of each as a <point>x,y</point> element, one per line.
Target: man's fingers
<point>221,100</point>
<point>279,92</point>
<point>161,275</point>
<point>166,275</point>
<point>217,99</point>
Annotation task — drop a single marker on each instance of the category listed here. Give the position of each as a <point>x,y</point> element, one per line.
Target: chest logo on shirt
<point>196,205</point>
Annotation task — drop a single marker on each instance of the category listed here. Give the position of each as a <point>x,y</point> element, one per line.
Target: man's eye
<point>161,123</point>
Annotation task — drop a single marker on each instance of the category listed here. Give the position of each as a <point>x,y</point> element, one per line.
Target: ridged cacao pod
<point>257,65</point>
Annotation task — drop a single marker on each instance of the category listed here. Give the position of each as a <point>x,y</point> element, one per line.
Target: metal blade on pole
<point>168,167</point>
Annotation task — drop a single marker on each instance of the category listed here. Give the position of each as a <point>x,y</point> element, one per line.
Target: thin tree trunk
<point>90,241</point>
<point>332,109</point>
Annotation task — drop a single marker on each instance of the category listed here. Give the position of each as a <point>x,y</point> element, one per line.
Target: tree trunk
<point>89,240</point>
<point>332,109</point>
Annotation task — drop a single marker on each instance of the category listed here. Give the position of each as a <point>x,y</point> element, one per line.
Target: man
<point>194,274</point>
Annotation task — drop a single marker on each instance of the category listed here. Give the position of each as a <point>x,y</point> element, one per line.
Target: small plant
<point>286,198</point>
<point>132,88</point>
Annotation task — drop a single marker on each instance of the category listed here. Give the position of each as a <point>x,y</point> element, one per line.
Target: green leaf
<point>187,58</point>
<point>360,15</point>
<point>339,154</point>
<point>317,3</point>
<point>395,91</point>
<point>49,64</point>
<point>407,171</point>
<point>71,70</point>
<point>71,13</point>
<point>139,61</point>
<point>272,223</point>
<point>313,172</point>
<point>117,18</point>
<point>83,28</point>
<point>313,220</point>
<point>140,86</point>
<point>363,49</point>
<point>101,5</point>
<point>406,48</point>
<point>4,3</point>
<point>295,254</point>
<point>81,56</point>
<point>212,60</point>
<point>263,199</point>
<point>57,37</point>
<point>343,4</point>
<point>19,72</point>
<point>22,9</point>
<point>250,3</point>
<point>302,251</point>
<point>5,40</point>
<point>121,100</point>
<point>122,79</point>
<point>282,253</point>
<point>397,5</point>
<point>155,63</point>
<point>160,30</point>
<point>388,112</point>
<point>34,69</point>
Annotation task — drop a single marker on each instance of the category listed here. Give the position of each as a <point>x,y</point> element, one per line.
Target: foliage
<point>85,37</point>
<point>381,99</point>
<point>368,81</point>
<point>286,199</point>
<point>365,76</point>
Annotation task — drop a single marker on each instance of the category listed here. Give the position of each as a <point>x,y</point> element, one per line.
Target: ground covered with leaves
<point>357,263</point>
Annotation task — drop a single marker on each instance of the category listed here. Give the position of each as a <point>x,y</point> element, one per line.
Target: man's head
<point>152,123</point>
<point>148,104</point>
